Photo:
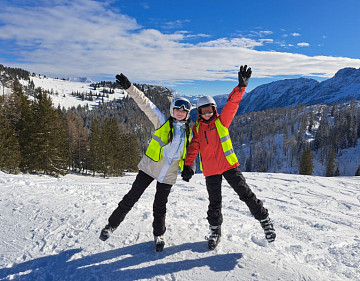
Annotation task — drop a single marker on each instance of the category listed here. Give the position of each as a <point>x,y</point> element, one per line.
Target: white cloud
<point>261,33</point>
<point>295,34</point>
<point>231,43</point>
<point>303,44</point>
<point>286,45</point>
<point>175,24</point>
<point>87,38</point>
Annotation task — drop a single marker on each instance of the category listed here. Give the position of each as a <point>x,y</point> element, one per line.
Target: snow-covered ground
<point>50,228</point>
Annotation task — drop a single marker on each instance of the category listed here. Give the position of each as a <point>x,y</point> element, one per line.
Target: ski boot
<point>214,238</point>
<point>159,243</point>
<point>269,230</point>
<point>106,231</point>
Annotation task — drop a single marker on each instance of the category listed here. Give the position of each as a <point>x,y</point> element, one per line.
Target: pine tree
<point>78,145</point>
<point>26,128</point>
<point>60,155</point>
<point>21,106</point>
<point>330,167</point>
<point>47,139</point>
<point>307,162</point>
<point>130,152</point>
<point>248,165</point>
<point>9,146</point>
<point>95,148</point>
<point>113,163</point>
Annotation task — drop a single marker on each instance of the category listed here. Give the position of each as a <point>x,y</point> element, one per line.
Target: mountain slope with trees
<point>110,137</point>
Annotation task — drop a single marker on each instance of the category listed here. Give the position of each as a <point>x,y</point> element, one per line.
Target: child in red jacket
<point>212,142</point>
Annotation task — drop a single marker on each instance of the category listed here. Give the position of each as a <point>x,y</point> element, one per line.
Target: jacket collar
<point>177,123</point>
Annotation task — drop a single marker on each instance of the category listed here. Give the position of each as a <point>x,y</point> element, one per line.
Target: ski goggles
<point>208,109</point>
<point>207,112</point>
<point>182,104</point>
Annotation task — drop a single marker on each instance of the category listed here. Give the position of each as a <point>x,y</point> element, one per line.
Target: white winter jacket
<point>166,169</point>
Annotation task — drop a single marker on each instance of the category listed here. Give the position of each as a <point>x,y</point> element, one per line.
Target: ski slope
<point>50,228</point>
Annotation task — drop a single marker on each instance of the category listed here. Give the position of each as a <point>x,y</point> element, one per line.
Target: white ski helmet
<point>180,103</point>
<point>205,101</point>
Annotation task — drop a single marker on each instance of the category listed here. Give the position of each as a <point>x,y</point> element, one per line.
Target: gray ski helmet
<point>205,101</point>
<point>180,103</point>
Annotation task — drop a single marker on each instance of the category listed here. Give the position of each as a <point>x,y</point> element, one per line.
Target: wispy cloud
<point>303,44</point>
<point>260,33</point>
<point>231,43</point>
<point>85,37</point>
<point>177,24</point>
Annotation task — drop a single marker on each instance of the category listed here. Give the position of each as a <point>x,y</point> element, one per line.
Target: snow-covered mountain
<point>50,229</point>
<point>343,87</point>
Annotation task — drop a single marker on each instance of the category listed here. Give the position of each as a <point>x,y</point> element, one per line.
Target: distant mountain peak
<point>347,71</point>
<point>343,87</point>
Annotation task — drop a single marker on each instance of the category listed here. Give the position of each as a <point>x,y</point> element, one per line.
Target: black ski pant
<point>237,181</point>
<point>141,182</point>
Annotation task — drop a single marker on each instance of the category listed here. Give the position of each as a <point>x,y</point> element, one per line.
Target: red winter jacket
<point>207,141</point>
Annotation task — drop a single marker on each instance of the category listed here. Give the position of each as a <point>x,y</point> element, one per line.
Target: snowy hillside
<point>50,228</point>
<point>61,91</point>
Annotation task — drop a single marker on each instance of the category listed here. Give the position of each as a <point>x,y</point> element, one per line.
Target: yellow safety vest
<point>161,138</point>
<point>225,142</point>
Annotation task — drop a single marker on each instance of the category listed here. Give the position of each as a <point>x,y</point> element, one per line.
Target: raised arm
<point>232,104</point>
<point>152,112</point>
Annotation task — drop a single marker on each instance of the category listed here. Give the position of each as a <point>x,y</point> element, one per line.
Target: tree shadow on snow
<point>125,263</point>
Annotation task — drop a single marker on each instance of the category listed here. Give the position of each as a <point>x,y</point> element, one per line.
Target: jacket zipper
<point>206,138</point>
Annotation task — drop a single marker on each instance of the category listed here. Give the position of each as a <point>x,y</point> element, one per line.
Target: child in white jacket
<point>165,153</point>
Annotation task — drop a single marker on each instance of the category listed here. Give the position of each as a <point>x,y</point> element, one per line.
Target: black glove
<point>123,81</point>
<point>244,76</point>
<point>187,173</point>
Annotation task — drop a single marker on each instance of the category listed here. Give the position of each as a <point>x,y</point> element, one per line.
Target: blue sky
<point>194,47</point>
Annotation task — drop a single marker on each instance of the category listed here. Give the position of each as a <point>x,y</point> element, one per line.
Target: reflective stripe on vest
<point>161,138</point>
<point>225,142</point>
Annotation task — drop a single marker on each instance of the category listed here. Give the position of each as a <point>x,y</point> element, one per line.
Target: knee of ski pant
<point>245,194</point>
<point>237,182</point>
<point>159,211</point>
<point>126,204</point>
